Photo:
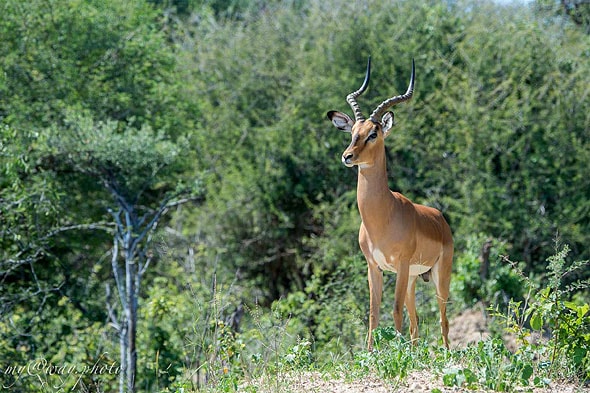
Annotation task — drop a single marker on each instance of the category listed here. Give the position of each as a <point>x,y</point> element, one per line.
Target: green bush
<point>550,311</point>
<point>497,283</point>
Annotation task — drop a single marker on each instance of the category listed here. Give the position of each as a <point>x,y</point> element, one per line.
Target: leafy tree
<point>577,11</point>
<point>132,166</point>
<point>83,85</point>
<point>105,56</point>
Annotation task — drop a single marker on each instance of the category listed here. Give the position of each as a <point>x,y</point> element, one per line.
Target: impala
<point>395,235</point>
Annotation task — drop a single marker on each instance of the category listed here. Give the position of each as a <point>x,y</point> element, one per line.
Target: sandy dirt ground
<point>418,381</point>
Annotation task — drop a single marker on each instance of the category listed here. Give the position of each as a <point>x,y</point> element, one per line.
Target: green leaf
<point>579,355</point>
<point>536,321</point>
<point>527,372</point>
<point>470,376</point>
<point>450,379</point>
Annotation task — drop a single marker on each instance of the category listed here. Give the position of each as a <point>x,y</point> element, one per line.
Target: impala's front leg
<point>375,291</point>
<point>401,287</point>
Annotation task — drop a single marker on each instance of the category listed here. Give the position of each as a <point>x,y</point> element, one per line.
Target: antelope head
<point>367,135</point>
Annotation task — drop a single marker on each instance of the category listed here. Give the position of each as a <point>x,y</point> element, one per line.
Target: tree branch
<point>164,207</point>
<point>117,271</point>
<point>98,225</point>
<point>111,311</point>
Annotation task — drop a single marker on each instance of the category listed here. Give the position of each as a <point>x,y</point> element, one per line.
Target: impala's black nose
<point>346,158</point>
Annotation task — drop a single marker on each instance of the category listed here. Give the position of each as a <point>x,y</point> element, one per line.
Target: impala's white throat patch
<point>384,264</point>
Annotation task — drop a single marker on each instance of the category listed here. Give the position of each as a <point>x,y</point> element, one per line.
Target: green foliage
<point>132,161</point>
<point>105,56</point>
<point>395,357</point>
<point>576,11</point>
<point>165,318</point>
<point>490,365</point>
<point>569,322</point>
<point>487,365</point>
<point>299,356</point>
<point>489,139</point>
<point>549,310</point>
<point>82,89</point>
<point>459,377</point>
<point>497,283</point>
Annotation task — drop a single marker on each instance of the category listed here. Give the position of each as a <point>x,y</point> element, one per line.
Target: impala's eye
<point>372,136</point>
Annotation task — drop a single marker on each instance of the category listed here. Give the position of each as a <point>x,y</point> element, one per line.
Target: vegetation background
<point>187,139</point>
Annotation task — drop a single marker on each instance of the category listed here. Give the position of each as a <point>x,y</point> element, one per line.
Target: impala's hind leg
<point>441,275</point>
<point>411,307</point>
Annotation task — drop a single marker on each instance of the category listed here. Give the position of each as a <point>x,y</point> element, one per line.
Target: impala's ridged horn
<point>380,110</point>
<point>351,98</point>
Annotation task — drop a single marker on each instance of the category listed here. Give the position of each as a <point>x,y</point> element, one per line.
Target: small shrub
<point>491,365</point>
<point>455,376</point>
<point>394,356</point>
<point>299,355</point>
<point>568,321</point>
<point>550,311</point>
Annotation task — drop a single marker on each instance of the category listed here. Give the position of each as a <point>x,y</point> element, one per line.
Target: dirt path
<point>417,381</point>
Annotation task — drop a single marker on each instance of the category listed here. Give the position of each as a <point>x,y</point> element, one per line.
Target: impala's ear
<point>387,123</point>
<point>341,120</point>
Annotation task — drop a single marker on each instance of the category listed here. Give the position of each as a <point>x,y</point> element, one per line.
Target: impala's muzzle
<point>347,159</point>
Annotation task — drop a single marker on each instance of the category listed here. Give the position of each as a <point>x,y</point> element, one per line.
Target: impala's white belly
<point>388,265</point>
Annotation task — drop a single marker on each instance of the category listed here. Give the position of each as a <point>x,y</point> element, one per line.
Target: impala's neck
<point>374,198</point>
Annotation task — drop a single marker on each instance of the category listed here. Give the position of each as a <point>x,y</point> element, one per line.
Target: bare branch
<point>94,226</point>
<point>163,209</point>
<point>112,315</point>
<point>117,272</point>
<point>146,264</point>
